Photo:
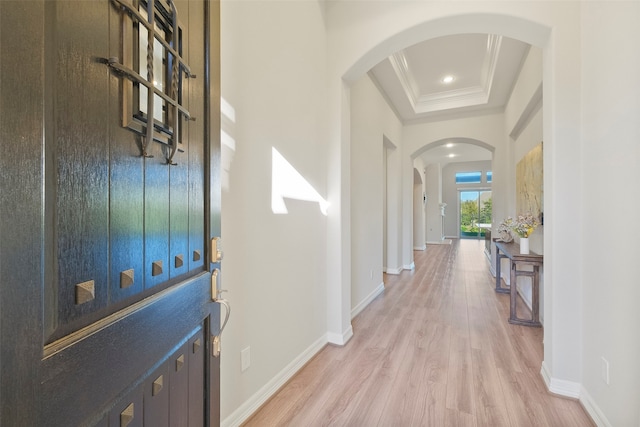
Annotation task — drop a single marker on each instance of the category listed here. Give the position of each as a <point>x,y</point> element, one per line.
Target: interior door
<point>109,201</point>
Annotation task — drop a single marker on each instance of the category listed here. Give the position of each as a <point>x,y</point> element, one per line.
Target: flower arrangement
<point>504,230</point>
<point>524,225</point>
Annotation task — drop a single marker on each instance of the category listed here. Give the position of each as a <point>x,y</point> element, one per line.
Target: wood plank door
<point>109,200</point>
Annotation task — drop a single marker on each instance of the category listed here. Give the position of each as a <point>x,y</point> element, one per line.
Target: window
<point>489,176</point>
<point>159,68</point>
<point>468,177</point>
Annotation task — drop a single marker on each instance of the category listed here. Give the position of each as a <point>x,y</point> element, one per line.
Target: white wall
<point>610,155</point>
<point>433,184</point>
<point>274,265</point>
<point>374,128</point>
<point>419,166</point>
<point>524,131</point>
<point>393,199</point>
<point>419,206</point>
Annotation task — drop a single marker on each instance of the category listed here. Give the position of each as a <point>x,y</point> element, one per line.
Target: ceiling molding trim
<point>466,97</point>
<point>401,67</point>
<point>491,61</point>
<point>454,114</point>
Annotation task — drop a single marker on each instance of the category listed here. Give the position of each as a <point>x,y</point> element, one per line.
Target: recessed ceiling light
<point>451,155</point>
<point>447,79</point>
<point>449,145</point>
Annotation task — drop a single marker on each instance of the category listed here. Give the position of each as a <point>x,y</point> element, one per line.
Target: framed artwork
<point>529,183</point>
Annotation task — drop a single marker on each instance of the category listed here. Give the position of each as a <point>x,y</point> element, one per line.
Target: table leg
<point>514,292</point>
<point>535,309</point>
<point>499,287</point>
<point>498,262</point>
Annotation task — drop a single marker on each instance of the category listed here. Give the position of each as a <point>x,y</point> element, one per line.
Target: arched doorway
<point>370,43</point>
<point>446,211</point>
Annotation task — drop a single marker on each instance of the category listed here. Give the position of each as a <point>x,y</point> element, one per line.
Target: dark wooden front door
<point>106,312</point>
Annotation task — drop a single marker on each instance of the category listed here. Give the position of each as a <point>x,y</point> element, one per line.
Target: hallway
<point>435,349</point>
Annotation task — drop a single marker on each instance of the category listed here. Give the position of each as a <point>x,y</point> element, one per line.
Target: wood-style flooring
<point>435,349</point>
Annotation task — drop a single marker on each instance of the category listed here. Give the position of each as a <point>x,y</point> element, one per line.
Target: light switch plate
<point>245,358</point>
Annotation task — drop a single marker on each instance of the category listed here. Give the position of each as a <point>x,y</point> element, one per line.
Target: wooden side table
<point>512,251</point>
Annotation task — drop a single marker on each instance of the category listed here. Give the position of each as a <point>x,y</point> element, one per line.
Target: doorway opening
<point>475,213</point>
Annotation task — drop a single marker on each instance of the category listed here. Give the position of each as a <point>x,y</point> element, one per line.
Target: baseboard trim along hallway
<point>373,295</point>
<point>241,414</point>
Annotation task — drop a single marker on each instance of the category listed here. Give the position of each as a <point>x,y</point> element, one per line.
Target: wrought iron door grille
<point>151,45</point>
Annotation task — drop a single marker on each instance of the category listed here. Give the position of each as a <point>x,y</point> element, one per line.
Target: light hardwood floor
<point>435,349</point>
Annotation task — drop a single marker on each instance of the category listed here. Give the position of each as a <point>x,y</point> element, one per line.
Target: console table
<point>512,251</point>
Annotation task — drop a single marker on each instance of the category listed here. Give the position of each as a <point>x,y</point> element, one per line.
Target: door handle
<point>227,306</point>
<point>216,297</point>
<point>215,348</point>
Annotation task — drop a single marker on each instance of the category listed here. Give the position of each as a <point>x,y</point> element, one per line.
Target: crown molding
<point>465,97</point>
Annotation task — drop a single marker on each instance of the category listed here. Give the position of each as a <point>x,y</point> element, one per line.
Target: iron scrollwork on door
<point>152,46</point>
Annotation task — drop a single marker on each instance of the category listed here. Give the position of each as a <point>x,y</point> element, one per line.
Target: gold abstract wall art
<point>529,183</point>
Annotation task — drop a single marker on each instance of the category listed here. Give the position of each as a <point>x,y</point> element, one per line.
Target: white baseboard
<point>247,409</point>
<point>576,391</point>
<point>411,266</point>
<point>340,339</point>
<point>420,248</point>
<point>444,241</point>
<point>593,410</point>
<point>560,387</point>
<point>393,270</point>
<point>365,302</point>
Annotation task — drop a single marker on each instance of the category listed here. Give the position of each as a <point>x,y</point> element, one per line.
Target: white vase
<point>524,245</point>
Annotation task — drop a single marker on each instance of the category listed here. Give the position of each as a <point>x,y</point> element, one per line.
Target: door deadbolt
<point>216,251</point>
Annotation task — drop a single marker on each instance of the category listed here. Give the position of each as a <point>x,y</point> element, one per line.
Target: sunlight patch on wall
<point>286,182</point>
<point>227,140</point>
<point>227,110</point>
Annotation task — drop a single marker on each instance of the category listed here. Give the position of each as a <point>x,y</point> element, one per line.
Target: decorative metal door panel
<point>109,200</point>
